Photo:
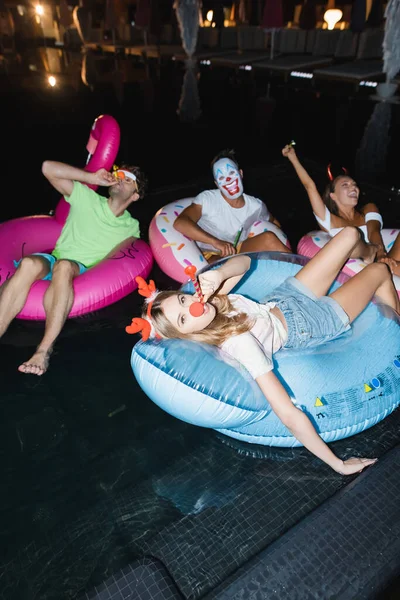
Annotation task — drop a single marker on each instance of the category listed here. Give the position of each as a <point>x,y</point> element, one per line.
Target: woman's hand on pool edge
<point>354,465</point>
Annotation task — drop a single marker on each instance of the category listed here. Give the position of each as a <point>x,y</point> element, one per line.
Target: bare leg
<point>58,301</point>
<point>264,242</point>
<point>319,274</point>
<point>394,257</point>
<point>14,292</point>
<point>354,295</point>
<point>394,252</point>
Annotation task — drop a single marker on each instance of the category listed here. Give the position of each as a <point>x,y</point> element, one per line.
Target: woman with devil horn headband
<point>339,207</point>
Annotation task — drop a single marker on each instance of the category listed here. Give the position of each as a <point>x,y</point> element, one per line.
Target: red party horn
<point>196,309</point>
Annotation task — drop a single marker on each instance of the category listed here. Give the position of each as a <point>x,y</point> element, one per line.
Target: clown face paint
<point>228,179</point>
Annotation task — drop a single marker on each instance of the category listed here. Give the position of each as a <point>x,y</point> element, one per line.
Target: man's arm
<point>62,176</point>
<point>186,223</point>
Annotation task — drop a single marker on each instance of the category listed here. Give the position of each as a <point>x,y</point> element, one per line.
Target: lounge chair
<point>252,46</point>
<point>320,44</point>
<point>367,65</point>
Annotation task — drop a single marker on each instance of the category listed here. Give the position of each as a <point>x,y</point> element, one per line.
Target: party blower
<point>196,309</point>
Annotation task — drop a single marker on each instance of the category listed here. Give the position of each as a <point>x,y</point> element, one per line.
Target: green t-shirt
<point>92,230</point>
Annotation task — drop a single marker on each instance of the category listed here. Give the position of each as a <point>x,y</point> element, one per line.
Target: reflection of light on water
<point>301,74</point>
<point>368,83</point>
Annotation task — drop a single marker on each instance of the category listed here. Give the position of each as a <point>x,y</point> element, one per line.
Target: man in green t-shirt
<point>94,227</point>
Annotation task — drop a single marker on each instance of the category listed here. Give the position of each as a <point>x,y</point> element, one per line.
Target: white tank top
<point>326,223</point>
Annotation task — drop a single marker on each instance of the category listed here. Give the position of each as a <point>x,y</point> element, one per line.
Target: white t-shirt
<point>254,349</point>
<point>219,219</point>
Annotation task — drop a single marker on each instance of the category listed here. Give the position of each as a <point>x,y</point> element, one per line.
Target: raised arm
<point>62,176</point>
<point>223,279</point>
<point>186,223</point>
<point>317,204</point>
<point>301,427</point>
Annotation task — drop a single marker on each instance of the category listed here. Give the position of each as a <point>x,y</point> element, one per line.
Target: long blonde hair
<point>222,327</point>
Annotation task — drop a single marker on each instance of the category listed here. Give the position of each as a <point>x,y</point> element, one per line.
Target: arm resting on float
<point>317,204</point>
<point>296,421</point>
<point>62,176</point>
<point>301,427</point>
<point>186,224</point>
<point>374,224</point>
<point>223,279</point>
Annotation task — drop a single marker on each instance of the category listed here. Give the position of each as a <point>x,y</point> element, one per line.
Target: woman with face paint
<point>220,220</point>
<point>338,207</point>
<point>297,314</point>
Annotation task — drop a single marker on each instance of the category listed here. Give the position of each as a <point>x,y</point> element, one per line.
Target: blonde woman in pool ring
<point>297,314</point>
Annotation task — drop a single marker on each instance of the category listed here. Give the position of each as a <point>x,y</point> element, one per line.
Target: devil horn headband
<point>329,171</point>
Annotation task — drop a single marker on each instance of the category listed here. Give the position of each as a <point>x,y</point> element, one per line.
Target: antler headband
<point>144,326</point>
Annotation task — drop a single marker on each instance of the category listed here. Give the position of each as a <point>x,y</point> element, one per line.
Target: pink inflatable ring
<point>103,284</point>
<point>173,251</point>
<point>315,240</point>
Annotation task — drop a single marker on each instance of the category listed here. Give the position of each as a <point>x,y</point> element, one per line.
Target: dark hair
<point>141,179</point>
<point>326,196</point>
<point>225,154</point>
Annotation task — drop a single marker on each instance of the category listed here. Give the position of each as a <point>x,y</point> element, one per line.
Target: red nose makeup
<point>196,309</point>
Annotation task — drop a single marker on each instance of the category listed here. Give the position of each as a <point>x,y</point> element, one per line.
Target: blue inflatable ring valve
<point>344,386</point>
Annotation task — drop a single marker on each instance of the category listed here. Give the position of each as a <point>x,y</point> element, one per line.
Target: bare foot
<point>37,364</point>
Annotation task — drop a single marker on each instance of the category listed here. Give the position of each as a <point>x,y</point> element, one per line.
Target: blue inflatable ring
<point>344,386</point>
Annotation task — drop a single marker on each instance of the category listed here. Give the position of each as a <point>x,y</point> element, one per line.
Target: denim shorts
<point>310,320</point>
<point>52,260</point>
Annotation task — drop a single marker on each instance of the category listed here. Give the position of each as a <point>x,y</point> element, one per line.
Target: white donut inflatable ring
<point>173,251</point>
<point>315,240</point>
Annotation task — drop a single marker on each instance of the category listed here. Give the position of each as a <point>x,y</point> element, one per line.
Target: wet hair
<point>225,154</point>
<point>222,327</point>
<point>330,189</point>
<point>141,180</point>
